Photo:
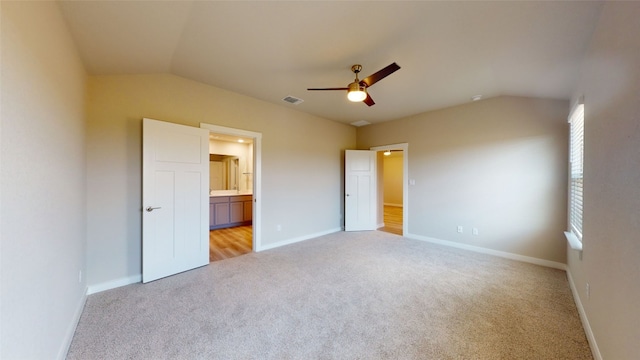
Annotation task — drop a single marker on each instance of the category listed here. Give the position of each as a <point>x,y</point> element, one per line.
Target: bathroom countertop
<point>214,193</point>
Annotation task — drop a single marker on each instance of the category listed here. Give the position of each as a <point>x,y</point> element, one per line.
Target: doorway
<point>235,211</point>
<point>392,188</point>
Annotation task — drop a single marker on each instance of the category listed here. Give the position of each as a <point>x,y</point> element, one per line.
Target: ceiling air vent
<point>360,123</point>
<point>292,100</point>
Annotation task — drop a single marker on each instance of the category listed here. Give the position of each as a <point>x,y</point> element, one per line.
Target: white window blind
<point>576,159</point>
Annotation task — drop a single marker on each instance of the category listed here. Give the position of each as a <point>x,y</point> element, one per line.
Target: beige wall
<point>470,164</point>
<point>610,84</point>
<point>498,165</point>
<point>301,162</point>
<point>393,179</point>
<point>42,180</point>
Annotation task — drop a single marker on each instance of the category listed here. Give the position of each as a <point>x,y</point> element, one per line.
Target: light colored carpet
<point>363,295</point>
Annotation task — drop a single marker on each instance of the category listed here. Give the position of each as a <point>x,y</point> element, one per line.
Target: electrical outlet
<point>475,231</point>
<point>460,229</point>
<point>278,227</point>
<point>80,277</point>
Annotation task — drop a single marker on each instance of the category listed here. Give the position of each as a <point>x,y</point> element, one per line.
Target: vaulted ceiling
<point>448,51</point>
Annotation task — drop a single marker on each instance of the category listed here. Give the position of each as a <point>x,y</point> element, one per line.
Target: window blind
<point>577,171</point>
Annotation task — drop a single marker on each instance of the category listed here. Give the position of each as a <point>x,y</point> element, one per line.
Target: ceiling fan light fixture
<point>356,92</point>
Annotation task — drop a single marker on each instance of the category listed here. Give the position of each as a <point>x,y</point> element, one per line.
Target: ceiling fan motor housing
<point>356,86</point>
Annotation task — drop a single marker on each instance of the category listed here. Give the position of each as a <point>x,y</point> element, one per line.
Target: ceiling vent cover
<point>292,100</point>
<point>360,123</point>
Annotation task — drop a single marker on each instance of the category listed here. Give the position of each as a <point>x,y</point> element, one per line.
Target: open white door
<point>175,199</point>
<point>360,190</point>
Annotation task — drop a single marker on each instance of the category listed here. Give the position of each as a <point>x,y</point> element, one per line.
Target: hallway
<point>392,220</point>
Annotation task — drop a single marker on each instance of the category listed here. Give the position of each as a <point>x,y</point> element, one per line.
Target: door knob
<point>150,209</point>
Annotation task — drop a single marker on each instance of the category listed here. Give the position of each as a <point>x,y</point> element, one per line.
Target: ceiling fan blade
<point>374,78</point>
<point>342,88</point>
<point>368,100</point>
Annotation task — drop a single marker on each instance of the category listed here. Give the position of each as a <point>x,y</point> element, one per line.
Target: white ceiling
<point>448,51</point>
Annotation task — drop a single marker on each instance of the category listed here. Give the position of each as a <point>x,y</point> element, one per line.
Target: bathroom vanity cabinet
<point>229,211</point>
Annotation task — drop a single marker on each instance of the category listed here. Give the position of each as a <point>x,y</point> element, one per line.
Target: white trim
<point>224,130</point>
<point>574,107</point>
<point>297,239</point>
<point>502,254</point>
<point>94,289</point>
<point>583,318</point>
<point>71,330</point>
<point>380,225</point>
<point>405,178</point>
<point>257,175</point>
<point>573,240</point>
<point>576,143</point>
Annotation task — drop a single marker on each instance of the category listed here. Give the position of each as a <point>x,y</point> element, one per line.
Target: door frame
<point>405,181</point>
<point>257,175</point>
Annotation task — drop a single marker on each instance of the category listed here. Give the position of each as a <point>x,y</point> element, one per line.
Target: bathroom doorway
<point>234,211</point>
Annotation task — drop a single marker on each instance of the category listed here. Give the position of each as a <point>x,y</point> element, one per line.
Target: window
<point>576,157</point>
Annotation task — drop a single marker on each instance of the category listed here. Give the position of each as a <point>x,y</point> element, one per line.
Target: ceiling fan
<point>357,90</point>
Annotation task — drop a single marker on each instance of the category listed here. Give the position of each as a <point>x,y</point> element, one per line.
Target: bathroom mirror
<point>223,172</point>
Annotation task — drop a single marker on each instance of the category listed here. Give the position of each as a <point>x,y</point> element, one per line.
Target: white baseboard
<point>71,330</point>
<point>503,254</point>
<point>552,264</point>
<point>93,289</point>
<point>114,284</point>
<point>595,351</point>
<point>298,239</point>
<point>381,225</point>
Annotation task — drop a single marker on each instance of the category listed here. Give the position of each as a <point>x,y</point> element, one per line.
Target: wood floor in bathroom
<point>230,242</point>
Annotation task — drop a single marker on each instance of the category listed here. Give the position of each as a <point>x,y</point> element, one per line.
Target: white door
<point>175,199</point>
<point>360,190</point>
